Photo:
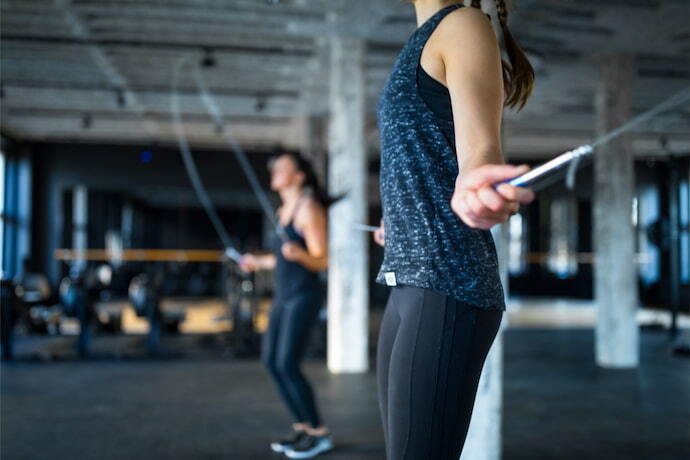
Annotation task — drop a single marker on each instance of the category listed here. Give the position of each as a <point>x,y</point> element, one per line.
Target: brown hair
<point>311,182</point>
<point>518,74</point>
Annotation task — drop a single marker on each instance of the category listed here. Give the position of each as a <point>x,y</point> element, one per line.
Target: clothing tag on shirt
<point>390,279</point>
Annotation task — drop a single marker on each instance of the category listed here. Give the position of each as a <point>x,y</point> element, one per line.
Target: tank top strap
<point>437,17</point>
<point>421,36</point>
<point>425,30</point>
<point>302,198</point>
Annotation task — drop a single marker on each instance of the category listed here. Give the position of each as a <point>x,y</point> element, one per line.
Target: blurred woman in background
<point>299,255</point>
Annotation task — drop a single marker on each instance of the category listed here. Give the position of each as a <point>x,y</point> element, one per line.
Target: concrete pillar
<point>484,436</point>
<point>317,145</point>
<point>348,309</point>
<point>617,335</point>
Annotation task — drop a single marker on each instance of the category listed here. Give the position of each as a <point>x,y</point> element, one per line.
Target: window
<point>15,212</point>
<point>562,257</point>
<point>2,214</point>
<point>517,247</point>
<point>649,229</point>
<point>684,223</point>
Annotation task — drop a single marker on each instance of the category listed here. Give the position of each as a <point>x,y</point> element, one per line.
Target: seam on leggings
<point>392,305</point>
<point>452,310</point>
<point>470,355</point>
<point>414,352</point>
<point>397,309</point>
<point>287,382</point>
<point>439,364</point>
<point>297,301</point>
<point>279,380</point>
<point>313,304</point>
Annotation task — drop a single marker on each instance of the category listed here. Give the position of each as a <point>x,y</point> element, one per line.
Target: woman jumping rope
<point>439,120</point>
<point>297,260</point>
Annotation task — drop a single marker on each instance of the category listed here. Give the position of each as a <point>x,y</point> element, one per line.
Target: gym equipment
<point>77,299</point>
<point>144,294</point>
<point>9,312</point>
<point>243,301</point>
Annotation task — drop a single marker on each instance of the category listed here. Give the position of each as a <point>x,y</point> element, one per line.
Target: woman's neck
<point>427,8</point>
<point>290,195</point>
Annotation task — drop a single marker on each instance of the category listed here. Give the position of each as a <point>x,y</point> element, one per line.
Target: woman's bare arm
<point>311,221</point>
<point>470,58</point>
<point>257,262</point>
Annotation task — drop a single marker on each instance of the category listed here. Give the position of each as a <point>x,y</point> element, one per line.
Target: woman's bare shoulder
<point>467,26</point>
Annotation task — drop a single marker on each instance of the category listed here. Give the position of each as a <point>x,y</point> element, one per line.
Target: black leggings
<point>285,341</point>
<point>431,352</point>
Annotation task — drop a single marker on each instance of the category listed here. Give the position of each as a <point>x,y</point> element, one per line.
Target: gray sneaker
<point>310,446</point>
<point>287,443</point>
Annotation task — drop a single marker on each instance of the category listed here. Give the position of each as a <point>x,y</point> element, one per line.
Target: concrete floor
<point>199,405</point>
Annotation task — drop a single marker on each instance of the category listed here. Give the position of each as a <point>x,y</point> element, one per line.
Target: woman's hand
<point>249,263</point>
<point>292,251</point>
<point>379,234</point>
<point>479,205</point>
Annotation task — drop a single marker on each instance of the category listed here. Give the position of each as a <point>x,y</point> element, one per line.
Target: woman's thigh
<point>435,363</point>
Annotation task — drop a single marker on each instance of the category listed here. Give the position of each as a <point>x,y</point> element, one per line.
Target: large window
<point>649,234</point>
<point>517,248</point>
<point>684,218</point>
<point>2,214</point>
<point>562,257</point>
<point>15,212</point>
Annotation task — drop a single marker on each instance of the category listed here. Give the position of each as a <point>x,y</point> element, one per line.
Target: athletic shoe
<point>310,446</point>
<point>287,443</point>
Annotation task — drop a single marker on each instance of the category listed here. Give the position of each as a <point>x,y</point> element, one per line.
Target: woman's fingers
<point>483,212</point>
<point>476,214</point>
<point>379,236</point>
<point>247,263</point>
<point>494,201</point>
<point>512,193</point>
<point>490,174</point>
<point>462,209</point>
<point>291,250</point>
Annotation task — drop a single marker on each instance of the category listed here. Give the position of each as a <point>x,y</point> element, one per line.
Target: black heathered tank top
<point>427,245</point>
<point>292,278</point>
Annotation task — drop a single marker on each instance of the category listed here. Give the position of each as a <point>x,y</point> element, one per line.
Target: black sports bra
<point>435,94</point>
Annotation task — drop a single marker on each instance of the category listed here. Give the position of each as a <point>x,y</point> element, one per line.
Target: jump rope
<point>537,178</point>
<point>213,109</point>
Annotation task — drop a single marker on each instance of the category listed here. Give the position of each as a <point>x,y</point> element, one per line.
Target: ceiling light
<point>260,104</point>
<point>86,121</point>
<point>120,97</point>
<point>209,60</point>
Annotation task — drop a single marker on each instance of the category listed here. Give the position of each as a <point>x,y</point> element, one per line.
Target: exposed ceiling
<point>100,70</point>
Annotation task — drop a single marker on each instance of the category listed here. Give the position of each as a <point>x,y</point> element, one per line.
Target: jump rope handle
<point>570,158</point>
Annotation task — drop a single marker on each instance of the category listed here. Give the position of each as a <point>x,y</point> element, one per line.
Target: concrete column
<point>317,145</point>
<point>617,335</point>
<point>348,309</point>
<point>484,436</point>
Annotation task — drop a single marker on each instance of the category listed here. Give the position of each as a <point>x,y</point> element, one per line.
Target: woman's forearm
<point>315,264</point>
<point>476,157</point>
<point>266,261</point>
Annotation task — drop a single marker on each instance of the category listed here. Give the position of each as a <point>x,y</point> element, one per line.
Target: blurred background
<point>126,331</point>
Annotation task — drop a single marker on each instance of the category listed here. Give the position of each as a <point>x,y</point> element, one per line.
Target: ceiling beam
<point>81,32</point>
